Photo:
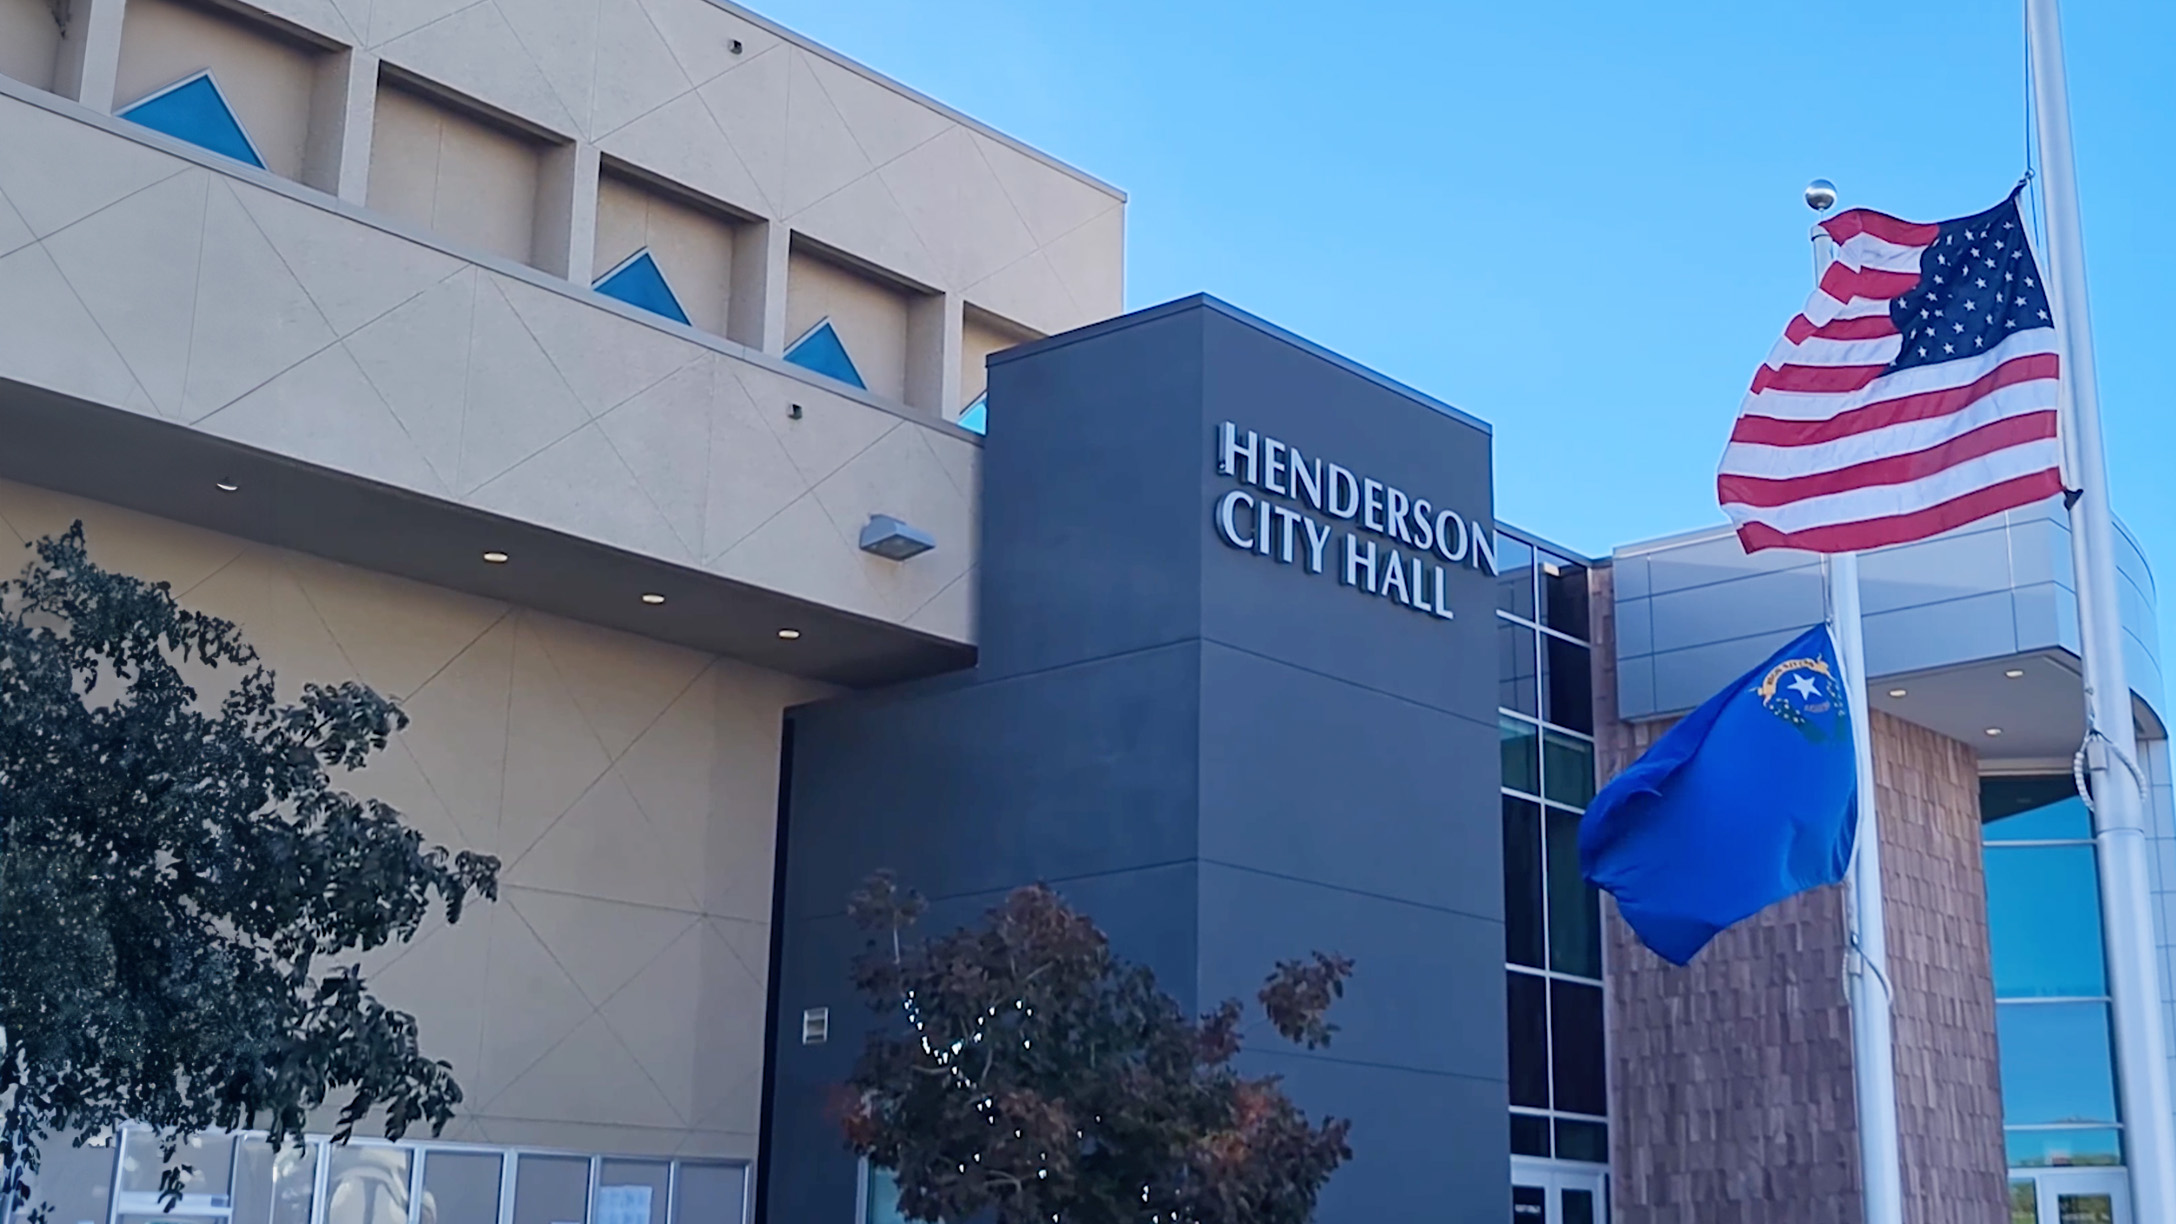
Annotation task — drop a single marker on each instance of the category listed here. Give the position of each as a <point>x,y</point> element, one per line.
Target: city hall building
<point>742,470</point>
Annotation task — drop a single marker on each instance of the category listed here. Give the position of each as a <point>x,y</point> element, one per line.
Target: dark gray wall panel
<point>1425,1147</point>
<point>1053,775</point>
<point>1225,759</point>
<point>1330,796</point>
<point>1415,1001</point>
<point>1088,474</point>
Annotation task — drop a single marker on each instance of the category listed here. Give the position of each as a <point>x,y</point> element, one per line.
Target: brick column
<point>1731,1094</point>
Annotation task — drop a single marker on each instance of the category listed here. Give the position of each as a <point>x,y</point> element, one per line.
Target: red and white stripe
<point>1830,454</point>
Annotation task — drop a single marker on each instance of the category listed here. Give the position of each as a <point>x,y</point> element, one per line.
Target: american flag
<point>1915,394</point>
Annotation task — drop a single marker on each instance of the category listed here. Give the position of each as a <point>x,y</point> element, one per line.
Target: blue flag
<point>1751,799</point>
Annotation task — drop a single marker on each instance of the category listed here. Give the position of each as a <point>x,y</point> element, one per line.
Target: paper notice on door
<point>623,1204</point>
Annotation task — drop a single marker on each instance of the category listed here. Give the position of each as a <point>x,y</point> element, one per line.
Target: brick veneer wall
<point>1731,1091</point>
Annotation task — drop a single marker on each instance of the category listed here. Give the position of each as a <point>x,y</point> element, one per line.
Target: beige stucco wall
<point>693,247</point>
<point>710,97</point>
<point>870,317</point>
<point>613,999</point>
<point>29,41</point>
<point>268,80</point>
<point>441,170</point>
<point>980,336</point>
<point>140,279</point>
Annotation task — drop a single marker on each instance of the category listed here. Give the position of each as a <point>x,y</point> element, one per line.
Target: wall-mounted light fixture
<point>888,537</point>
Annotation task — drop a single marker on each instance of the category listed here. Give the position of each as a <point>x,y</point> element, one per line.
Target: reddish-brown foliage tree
<point>1034,1077</point>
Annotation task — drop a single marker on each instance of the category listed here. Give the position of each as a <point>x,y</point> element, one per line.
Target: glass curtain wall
<point>1552,920</point>
<point>242,1179</point>
<point>2051,981</point>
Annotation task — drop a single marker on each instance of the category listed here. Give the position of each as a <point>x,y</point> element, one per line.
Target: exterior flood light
<point>888,537</point>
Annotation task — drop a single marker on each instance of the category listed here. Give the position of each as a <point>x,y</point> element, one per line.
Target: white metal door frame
<point>2050,1185</point>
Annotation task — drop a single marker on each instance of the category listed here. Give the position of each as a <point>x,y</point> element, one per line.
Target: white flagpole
<point>1881,1179</point>
<point>2127,921</point>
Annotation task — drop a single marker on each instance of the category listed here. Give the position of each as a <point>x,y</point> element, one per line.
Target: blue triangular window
<point>821,350</point>
<point>194,110</point>
<point>637,281</point>
<point>975,418</point>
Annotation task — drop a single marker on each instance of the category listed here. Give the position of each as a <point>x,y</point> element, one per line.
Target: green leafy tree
<point>1034,1077</point>
<point>178,879</point>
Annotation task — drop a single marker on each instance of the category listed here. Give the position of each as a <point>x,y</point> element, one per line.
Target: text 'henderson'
<point>1258,525</point>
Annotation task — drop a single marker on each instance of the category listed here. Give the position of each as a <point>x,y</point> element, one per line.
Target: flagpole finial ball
<point>1820,195</point>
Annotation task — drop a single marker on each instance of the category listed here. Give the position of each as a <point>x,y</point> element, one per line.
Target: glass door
<point>1554,1192</point>
<point>2069,1196</point>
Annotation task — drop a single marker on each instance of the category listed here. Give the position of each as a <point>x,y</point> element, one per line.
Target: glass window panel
<point>1529,1204</point>
<point>1567,683</point>
<point>1567,767</point>
<point>711,1194</point>
<point>1578,1206</point>
<point>2043,921</point>
<point>366,1184</point>
<point>1576,1140</point>
<point>2053,1149</point>
<point>1521,745</point>
<point>1564,596</point>
<point>1575,910</point>
<point>274,1185</point>
<point>207,1159</point>
<point>1514,576</point>
<point>75,1183</point>
<point>2093,1207</point>
<point>2033,809</point>
<point>1529,1135</point>
<point>633,1191</point>
<point>1516,685</point>
<point>551,1190</point>
<point>1575,1048</point>
<point>1522,883</point>
<point>2057,1065</point>
<point>2024,1201</point>
<point>882,1205</point>
<point>460,1187</point>
<point>1527,1002</point>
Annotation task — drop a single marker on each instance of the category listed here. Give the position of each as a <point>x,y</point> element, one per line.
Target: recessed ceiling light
<point>790,634</point>
<point>2014,672</point>
<point>1896,692</point>
<point>495,557</point>
<point>1994,730</point>
<point>226,486</point>
<point>652,597</point>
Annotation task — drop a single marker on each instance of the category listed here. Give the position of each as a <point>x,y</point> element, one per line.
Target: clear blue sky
<point>1580,221</point>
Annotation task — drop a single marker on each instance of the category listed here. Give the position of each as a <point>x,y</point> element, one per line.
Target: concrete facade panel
<point>29,42</point>
<point>1152,704</point>
<point>1412,1003</point>
<point>453,174</point>
<point>1357,740</point>
<point>612,998</point>
<point>267,79</point>
<point>1397,1130</point>
<point>433,375</point>
<point>693,248</point>
<point>869,316</point>
<point>980,336</point>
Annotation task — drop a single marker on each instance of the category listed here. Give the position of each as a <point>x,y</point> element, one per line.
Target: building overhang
<point>2023,711</point>
<point>157,467</point>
